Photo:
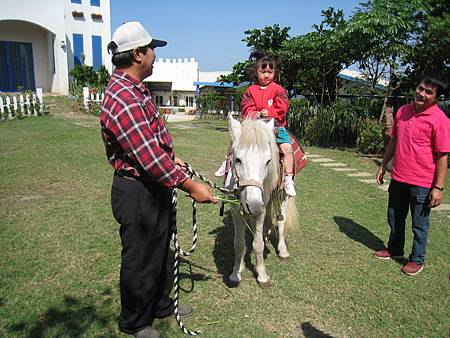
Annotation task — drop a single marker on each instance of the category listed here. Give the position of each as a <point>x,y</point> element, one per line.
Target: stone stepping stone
<point>333,164</point>
<point>361,174</point>
<point>343,169</point>
<point>369,180</point>
<point>313,155</point>
<point>322,160</point>
<point>443,207</point>
<point>383,187</point>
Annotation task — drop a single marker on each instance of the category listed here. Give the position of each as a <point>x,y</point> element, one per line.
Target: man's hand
<point>199,192</point>
<point>179,162</point>
<point>436,196</point>
<point>380,174</point>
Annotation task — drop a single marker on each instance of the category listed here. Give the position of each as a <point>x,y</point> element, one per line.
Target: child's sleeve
<point>280,107</point>
<point>248,106</point>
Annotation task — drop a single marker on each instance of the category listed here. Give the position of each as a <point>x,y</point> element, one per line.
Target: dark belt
<point>126,174</point>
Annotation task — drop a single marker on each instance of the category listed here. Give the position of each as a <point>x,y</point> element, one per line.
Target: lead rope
<point>178,252</point>
<point>177,248</point>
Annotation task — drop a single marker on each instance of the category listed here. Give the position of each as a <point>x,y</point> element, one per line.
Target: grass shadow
<point>74,317</point>
<point>183,274</point>
<point>358,233</point>
<point>223,251</point>
<point>310,331</point>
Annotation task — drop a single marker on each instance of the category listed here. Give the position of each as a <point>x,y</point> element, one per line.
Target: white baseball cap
<point>132,35</point>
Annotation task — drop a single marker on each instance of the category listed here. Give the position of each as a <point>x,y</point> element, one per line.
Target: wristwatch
<point>438,188</point>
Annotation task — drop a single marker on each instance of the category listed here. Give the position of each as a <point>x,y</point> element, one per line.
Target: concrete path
<point>179,117</point>
<point>362,176</point>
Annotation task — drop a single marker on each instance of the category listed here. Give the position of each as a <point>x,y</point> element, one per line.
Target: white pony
<point>255,172</point>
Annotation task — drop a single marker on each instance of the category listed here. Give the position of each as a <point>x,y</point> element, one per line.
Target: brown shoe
<point>412,268</point>
<point>384,254</point>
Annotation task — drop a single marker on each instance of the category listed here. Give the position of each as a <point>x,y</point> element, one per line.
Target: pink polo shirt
<point>419,137</point>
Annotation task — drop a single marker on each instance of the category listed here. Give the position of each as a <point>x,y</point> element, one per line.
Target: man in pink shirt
<point>419,148</point>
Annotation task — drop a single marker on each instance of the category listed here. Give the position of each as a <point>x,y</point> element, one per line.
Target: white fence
<point>21,105</point>
<point>91,97</point>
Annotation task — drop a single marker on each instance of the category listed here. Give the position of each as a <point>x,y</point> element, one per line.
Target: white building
<point>172,82</point>
<point>41,41</point>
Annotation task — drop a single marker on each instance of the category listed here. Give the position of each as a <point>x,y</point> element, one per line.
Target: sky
<point>212,31</point>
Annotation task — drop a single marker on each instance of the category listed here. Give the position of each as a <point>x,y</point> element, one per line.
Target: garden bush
<point>370,140</point>
<point>300,113</point>
<point>86,76</point>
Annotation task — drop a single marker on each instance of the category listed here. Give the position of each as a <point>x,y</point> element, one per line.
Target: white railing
<point>13,106</point>
<point>91,97</point>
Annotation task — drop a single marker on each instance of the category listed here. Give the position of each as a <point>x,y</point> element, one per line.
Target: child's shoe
<point>288,184</point>
<point>222,169</point>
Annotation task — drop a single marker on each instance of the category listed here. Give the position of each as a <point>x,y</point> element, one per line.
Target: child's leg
<point>288,158</point>
<point>223,166</point>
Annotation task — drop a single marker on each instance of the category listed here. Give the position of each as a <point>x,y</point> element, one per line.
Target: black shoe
<point>184,310</point>
<point>147,332</point>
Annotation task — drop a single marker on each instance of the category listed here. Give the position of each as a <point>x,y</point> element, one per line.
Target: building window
<point>76,2</point>
<point>95,3</point>
<point>78,50</point>
<point>189,101</point>
<point>96,51</point>
<point>175,101</point>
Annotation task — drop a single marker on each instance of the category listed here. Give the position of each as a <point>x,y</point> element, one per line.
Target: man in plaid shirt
<point>139,148</point>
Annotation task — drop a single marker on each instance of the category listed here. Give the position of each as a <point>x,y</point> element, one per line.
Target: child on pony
<point>267,99</point>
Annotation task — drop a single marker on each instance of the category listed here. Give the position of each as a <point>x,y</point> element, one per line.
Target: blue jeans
<point>403,196</point>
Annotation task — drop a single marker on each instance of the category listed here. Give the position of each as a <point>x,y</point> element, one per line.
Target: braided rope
<point>178,252</point>
<point>208,181</point>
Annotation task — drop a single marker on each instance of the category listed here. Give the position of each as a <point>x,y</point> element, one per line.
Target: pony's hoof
<point>283,259</point>
<point>232,283</point>
<point>265,285</point>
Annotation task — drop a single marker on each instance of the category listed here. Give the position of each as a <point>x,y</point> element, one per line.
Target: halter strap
<point>250,183</point>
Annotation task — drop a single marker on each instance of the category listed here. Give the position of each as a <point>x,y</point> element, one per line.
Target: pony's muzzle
<point>252,201</point>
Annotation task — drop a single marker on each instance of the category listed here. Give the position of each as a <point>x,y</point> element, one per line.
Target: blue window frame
<point>76,1</point>
<point>78,50</point>
<point>16,66</point>
<point>95,3</point>
<point>96,51</point>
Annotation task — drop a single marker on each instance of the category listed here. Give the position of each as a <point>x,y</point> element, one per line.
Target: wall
<point>181,72</point>
<point>18,18</point>
<point>42,51</point>
<point>88,26</point>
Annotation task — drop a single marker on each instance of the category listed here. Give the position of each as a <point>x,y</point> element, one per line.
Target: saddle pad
<point>300,159</point>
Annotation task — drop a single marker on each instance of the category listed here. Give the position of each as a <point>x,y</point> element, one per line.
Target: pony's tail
<point>291,215</point>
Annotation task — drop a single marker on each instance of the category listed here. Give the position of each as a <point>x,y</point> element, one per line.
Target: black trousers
<point>143,211</point>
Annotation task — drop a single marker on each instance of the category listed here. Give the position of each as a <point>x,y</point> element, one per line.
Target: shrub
<point>300,113</point>
<point>86,76</point>
<point>370,140</point>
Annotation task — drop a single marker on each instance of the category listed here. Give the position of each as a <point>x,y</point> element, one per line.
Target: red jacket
<point>273,98</point>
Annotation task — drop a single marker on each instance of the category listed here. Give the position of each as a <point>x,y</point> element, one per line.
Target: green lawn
<point>60,251</point>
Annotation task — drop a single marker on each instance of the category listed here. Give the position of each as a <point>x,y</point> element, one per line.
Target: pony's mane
<point>255,134</point>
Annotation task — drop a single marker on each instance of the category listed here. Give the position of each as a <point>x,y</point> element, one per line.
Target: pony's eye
<point>267,163</point>
<point>237,160</point>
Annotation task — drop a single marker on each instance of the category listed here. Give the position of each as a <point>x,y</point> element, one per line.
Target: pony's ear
<point>235,128</point>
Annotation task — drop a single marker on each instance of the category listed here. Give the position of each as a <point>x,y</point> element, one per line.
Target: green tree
<point>383,29</point>
<point>312,61</point>
<point>429,52</point>
<point>269,39</point>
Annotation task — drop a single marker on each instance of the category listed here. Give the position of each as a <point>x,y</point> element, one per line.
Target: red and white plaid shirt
<point>136,140</point>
